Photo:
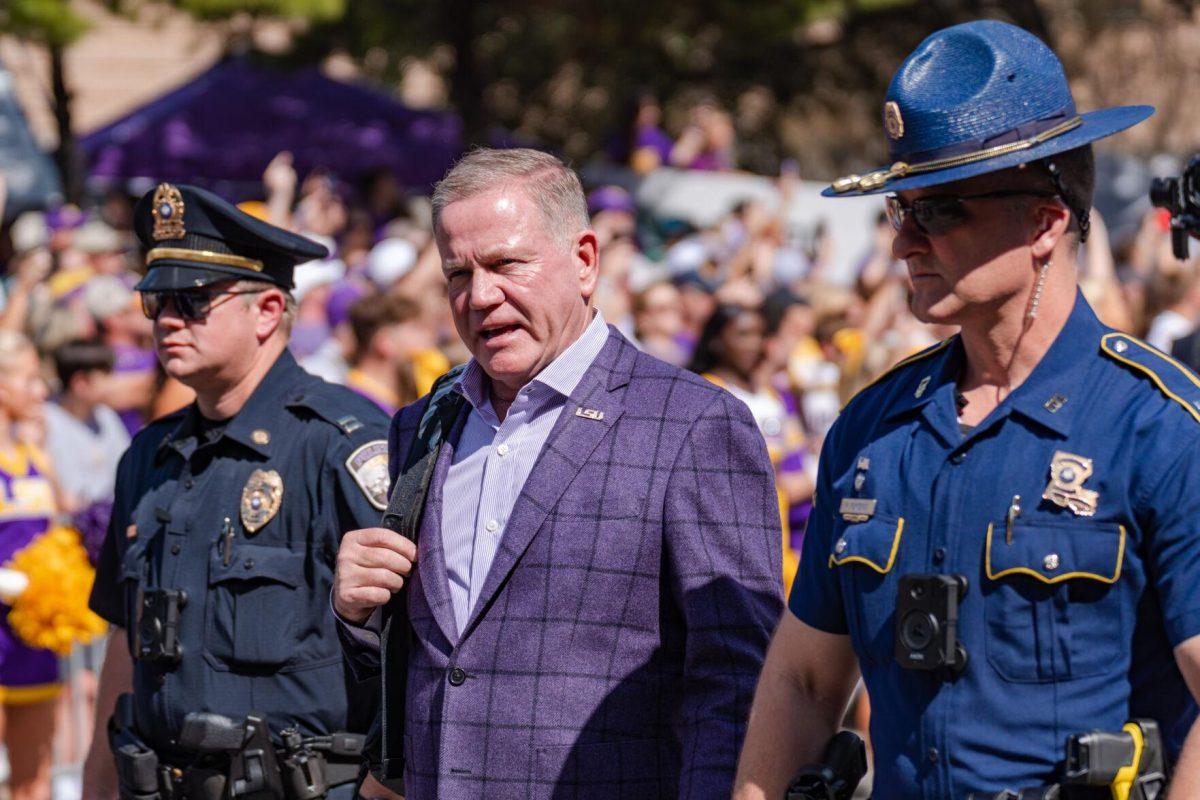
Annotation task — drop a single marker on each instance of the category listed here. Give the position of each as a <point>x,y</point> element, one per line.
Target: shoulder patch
<point>904,362</point>
<point>1172,378</point>
<point>368,465</point>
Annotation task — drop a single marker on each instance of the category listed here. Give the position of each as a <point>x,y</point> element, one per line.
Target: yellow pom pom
<point>52,613</point>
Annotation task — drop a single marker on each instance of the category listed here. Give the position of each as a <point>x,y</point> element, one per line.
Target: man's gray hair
<point>551,184</point>
<point>289,308</point>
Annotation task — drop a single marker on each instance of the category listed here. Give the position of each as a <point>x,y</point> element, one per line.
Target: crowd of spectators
<point>750,302</point>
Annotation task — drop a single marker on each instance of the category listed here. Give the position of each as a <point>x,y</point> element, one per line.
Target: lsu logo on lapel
<point>589,413</point>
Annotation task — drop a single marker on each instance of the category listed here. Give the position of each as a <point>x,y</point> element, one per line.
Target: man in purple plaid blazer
<point>599,558</point>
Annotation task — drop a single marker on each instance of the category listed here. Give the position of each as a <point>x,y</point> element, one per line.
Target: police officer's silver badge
<point>261,498</point>
<point>368,466</point>
<point>1067,474</point>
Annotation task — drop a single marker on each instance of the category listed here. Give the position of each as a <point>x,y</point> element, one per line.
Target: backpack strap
<point>403,515</point>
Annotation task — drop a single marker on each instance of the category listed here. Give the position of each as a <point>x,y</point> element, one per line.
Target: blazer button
<point>457,676</point>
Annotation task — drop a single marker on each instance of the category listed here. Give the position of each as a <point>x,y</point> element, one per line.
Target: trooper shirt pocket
<point>1052,598</point>
<point>866,556</point>
<point>253,603</point>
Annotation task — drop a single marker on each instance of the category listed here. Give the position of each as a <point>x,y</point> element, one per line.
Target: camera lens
<point>918,630</point>
<point>1162,192</point>
<point>149,633</point>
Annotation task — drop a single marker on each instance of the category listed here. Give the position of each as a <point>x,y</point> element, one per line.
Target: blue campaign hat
<point>194,238</point>
<point>977,98</point>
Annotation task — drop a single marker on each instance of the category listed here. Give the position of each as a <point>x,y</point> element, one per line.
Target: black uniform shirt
<point>247,524</point>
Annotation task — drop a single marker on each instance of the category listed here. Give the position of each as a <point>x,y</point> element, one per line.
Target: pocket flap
<point>252,562</point>
<point>1056,553</point>
<point>133,562</point>
<point>874,543</point>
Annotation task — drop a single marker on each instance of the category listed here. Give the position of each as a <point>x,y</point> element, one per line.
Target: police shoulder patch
<point>368,465</point>
<point>1172,378</point>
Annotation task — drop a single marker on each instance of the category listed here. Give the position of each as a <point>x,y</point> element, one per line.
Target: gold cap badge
<point>893,121</point>
<point>1067,474</point>
<point>167,209</point>
<point>261,497</point>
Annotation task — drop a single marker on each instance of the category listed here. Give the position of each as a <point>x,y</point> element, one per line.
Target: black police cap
<point>194,238</point>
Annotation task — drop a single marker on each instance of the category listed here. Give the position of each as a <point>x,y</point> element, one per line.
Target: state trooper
<point>1037,475</point>
<point>218,564</point>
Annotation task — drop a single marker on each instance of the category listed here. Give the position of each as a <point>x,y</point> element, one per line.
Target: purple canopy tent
<point>229,122</point>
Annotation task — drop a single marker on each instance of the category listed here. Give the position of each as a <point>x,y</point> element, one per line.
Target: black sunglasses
<point>938,214</point>
<point>191,304</point>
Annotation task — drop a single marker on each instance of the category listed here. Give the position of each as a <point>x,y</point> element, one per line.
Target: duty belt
<point>220,759</point>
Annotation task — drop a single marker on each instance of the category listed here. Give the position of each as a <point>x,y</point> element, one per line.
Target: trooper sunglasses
<point>942,213</point>
<point>191,304</point>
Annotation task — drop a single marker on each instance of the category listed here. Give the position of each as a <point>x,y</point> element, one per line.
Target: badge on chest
<point>1065,489</point>
<point>261,498</point>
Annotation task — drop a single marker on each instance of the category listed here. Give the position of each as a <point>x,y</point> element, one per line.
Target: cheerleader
<point>29,677</point>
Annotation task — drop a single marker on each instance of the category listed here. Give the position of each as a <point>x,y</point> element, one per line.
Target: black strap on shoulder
<point>403,515</point>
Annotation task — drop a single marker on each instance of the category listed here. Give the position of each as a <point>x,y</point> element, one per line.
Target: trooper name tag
<point>856,509</point>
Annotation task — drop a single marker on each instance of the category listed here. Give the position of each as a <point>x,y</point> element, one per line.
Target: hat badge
<point>167,210</point>
<point>893,120</point>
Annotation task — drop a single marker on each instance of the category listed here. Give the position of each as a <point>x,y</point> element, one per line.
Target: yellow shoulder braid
<point>1172,378</point>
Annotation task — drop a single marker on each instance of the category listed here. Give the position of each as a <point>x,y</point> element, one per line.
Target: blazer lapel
<point>566,450</point>
<point>431,552</point>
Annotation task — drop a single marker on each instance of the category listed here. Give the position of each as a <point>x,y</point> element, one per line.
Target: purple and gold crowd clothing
<point>427,366</point>
<point>27,675</point>
<point>776,413</point>
<point>374,390</point>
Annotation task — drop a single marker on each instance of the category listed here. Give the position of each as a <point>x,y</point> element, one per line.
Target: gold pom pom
<point>52,613</point>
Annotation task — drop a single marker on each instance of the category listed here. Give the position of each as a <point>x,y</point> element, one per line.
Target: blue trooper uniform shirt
<point>1074,601</point>
<point>247,523</point>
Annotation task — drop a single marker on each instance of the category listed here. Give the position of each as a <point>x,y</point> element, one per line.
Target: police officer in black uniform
<point>217,568</point>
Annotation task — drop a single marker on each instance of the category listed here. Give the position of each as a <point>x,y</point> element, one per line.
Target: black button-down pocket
<point>866,555</point>
<point>1053,600</point>
<point>252,605</point>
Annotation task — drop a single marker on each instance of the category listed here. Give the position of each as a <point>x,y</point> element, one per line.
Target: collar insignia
<point>1055,402</point>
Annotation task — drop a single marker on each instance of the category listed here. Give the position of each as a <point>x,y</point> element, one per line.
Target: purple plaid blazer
<point>618,638</point>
